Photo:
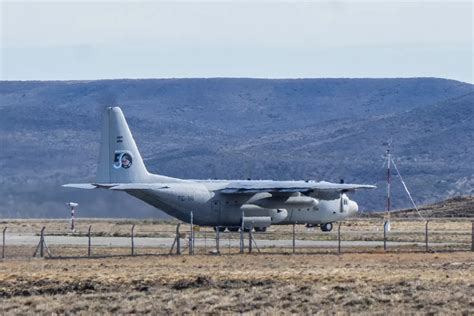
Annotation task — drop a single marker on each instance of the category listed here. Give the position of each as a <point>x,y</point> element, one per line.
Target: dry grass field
<point>390,283</point>
<point>361,280</point>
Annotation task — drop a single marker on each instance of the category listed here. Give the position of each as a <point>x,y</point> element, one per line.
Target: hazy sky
<point>266,39</point>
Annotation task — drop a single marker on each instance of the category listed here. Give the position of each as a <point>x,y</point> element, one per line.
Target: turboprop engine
<point>262,217</point>
<point>278,215</point>
<point>277,202</point>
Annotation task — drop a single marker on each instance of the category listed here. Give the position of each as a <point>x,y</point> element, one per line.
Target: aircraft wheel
<point>260,229</point>
<point>326,227</point>
<point>233,229</point>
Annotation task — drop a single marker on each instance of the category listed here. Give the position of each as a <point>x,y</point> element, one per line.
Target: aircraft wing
<point>116,186</point>
<point>244,187</point>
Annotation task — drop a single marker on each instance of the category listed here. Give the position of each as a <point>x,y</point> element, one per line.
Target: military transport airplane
<point>218,203</point>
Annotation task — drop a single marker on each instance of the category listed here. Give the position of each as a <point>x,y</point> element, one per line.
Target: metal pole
<point>191,236</point>
<point>250,238</point>
<point>242,236</point>
<point>3,243</point>
<point>89,241</point>
<point>217,240</point>
<point>426,236</point>
<point>42,242</point>
<point>472,237</point>
<point>339,238</point>
<point>294,238</point>
<point>73,227</point>
<point>178,243</point>
<point>133,243</point>
<point>385,235</point>
<point>388,179</point>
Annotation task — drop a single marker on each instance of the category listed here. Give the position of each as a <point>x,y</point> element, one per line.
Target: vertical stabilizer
<point>119,158</point>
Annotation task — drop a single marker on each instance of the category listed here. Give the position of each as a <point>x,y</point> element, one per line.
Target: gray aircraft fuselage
<point>211,208</point>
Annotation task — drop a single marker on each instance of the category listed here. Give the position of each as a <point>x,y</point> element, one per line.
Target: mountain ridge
<point>322,129</point>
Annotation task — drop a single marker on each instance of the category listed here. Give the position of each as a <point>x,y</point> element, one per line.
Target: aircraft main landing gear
<point>326,227</point>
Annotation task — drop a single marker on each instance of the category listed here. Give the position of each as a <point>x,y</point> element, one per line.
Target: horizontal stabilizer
<point>85,186</point>
<point>117,186</point>
<point>89,186</point>
<point>139,186</point>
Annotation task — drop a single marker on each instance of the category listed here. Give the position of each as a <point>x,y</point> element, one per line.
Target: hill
<point>459,206</point>
<point>236,128</point>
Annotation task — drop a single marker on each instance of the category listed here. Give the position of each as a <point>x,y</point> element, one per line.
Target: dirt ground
<point>390,283</point>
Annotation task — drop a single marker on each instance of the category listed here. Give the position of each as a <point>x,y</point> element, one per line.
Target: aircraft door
<point>216,211</point>
<point>344,203</point>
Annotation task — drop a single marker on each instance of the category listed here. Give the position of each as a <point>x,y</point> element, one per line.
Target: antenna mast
<point>389,159</point>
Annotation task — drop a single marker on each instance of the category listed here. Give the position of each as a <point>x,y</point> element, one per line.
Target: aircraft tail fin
<point>119,158</point>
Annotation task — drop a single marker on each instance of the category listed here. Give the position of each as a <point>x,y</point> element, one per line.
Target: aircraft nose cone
<point>353,207</point>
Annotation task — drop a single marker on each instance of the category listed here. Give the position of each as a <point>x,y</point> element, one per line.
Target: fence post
<point>3,243</point>
<point>191,235</point>
<point>133,242</point>
<point>205,241</point>
<point>178,242</point>
<point>339,238</point>
<point>89,241</point>
<point>42,242</point>
<point>294,238</point>
<point>472,237</point>
<point>250,238</point>
<point>217,240</point>
<point>426,236</point>
<point>242,246</point>
<point>385,235</point>
<point>41,245</point>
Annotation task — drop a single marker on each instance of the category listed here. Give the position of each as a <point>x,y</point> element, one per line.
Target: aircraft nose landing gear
<point>326,227</point>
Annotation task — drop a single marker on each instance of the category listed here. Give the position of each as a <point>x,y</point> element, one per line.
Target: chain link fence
<point>106,238</point>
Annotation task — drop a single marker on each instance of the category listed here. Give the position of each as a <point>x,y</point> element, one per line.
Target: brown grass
<point>325,283</point>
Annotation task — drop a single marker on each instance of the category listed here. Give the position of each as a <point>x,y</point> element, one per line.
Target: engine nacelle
<point>254,211</point>
<point>257,221</point>
<point>278,215</point>
<point>276,202</point>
